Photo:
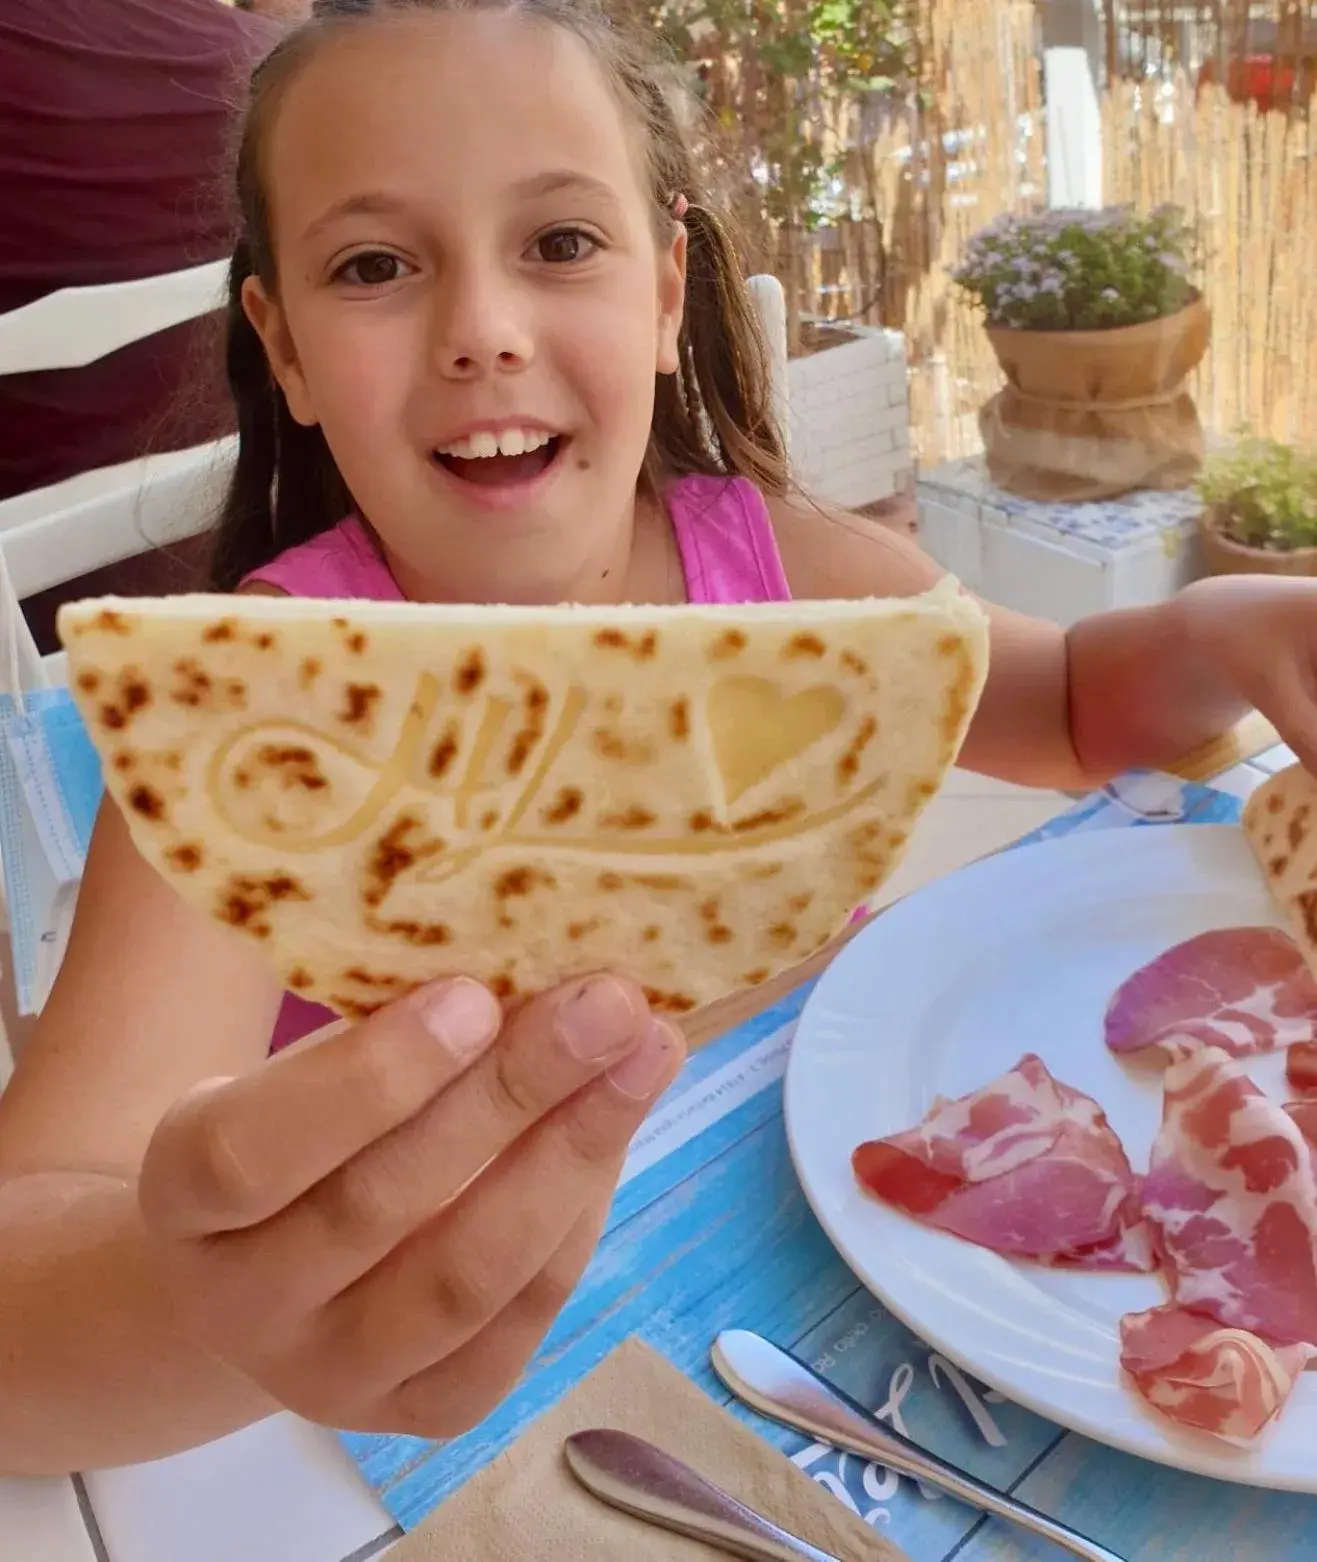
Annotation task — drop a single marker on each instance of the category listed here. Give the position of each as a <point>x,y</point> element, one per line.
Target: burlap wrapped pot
<point>1095,414</point>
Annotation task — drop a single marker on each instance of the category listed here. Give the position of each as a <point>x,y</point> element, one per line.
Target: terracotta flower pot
<point>1095,414</point>
<point>1223,556</point>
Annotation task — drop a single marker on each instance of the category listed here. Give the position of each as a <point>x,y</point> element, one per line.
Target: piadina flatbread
<point>378,794</point>
<point>1280,821</point>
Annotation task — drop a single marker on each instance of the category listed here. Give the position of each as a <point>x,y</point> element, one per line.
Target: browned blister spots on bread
<point>1298,826</point>
<point>789,808</point>
<point>624,751</point>
<point>356,1009</point>
<point>805,644</point>
<point>1307,904</point>
<point>535,702</point>
<point>633,818</point>
<point>522,881</point>
<point>360,976</point>
<point>1275,803</point>
<point>503,987</point>
<point>641,647</point>
<point>782,935</point>
<point>402,846</point>
<point>714,929</point>
<point>131,696</point>
<point>565,806</point>
<point>959,694</point>
<point>421,935</point>
<point>1277,865</point>
<point>849,764</point>
<point>89,681</point>
<point>470,671</point>
<point>854,664</point>
<point>295,766</point>
<point>186,857</point>
<point>755,977</point>
<point>728,644</point>
<point>668,1002</point>
<point>579,930</point>
<point>300,980</point>
<point>195,689</point>
<point>360,701</point>
<point>679,720</point>
<point>264,641</point>
<point>147,802</point>
<point>444,752</point>
<point>220,633</point>
<point>246,900</point>
<point>309,671</point>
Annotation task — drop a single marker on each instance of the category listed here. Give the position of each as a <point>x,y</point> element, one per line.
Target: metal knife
<point>777,1385</point>
<point>628,1473</point>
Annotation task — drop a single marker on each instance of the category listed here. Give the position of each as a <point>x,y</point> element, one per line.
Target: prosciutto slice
<point>1301,1068</point>
<point>1304,1114</point>
<point>1025,1166</point>
<point>1242,990</point>
<point>1224,1381</point>
<point>1232,1200</point>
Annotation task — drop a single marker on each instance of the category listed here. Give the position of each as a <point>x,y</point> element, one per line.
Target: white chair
<point>55,534</point>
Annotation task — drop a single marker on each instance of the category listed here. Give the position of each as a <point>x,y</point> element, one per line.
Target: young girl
<point>488,343</point>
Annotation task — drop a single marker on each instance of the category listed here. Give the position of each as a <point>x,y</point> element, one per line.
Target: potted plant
<point>1260,510</point>
<point>1096,325</point>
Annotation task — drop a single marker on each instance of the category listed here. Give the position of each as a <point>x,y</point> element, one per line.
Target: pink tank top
<point>728,554</point>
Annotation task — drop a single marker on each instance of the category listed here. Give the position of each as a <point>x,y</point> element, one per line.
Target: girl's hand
<point>1257,634</point>
<point>379,1228</point>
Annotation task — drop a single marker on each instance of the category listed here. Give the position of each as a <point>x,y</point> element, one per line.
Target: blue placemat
<point>710,1230</point>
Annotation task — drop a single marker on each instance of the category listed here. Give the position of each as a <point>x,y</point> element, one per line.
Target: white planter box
<point>849,421</point>
<point>1062,562</point>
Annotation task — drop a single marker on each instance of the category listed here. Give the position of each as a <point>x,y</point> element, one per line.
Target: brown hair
<point>714,416</point>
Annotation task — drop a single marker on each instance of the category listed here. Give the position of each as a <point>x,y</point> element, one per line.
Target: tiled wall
<point>850,423</point>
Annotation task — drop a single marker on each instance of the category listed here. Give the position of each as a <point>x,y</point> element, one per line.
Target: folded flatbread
<point>1280,821</point>
<point>377,794</point>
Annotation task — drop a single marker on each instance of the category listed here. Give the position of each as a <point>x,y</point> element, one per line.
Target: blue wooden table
<point>710,1230</point>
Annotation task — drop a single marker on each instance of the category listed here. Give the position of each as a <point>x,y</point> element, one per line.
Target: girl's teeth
<point>510,442</point>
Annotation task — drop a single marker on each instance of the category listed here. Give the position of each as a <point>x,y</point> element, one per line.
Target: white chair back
<point>54,534</point>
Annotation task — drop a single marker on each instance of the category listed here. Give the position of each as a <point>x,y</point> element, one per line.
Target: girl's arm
<point>1061,709</point>
<point>150,1000</point>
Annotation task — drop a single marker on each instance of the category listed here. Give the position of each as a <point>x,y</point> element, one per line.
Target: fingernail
<point>639,1074</point>
<point>597,1020</point>
<point>461,1014</point>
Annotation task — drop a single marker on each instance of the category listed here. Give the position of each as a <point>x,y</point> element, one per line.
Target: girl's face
<point>467,264</point>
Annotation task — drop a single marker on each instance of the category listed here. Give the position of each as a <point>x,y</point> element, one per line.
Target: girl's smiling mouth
<point>504,460</point>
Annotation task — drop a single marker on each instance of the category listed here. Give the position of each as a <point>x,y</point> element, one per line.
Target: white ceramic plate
<point>946,990</point>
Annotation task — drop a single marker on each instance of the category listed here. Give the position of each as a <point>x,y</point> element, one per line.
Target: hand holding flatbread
<point>378,794</point>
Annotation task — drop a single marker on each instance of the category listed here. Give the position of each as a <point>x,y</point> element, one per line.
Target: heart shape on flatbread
<point>755,727</point>
<point>378,794</point>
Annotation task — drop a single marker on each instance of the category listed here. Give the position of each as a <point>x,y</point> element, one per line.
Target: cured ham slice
<point>1243,990</point>
<point>1025,1166</point>
<point>1224,1381</point>
<point>1301,1068</point>
<point>1304,1114</point>
<point>1232,1200</point>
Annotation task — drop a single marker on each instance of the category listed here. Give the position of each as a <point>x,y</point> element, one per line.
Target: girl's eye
<point>373,268</point>
<point>565,245</point>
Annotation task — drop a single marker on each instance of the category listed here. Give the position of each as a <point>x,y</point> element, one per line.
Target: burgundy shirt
<point>115,118</point>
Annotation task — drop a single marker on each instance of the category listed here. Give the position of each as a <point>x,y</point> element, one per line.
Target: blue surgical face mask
<point>50,789</point>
